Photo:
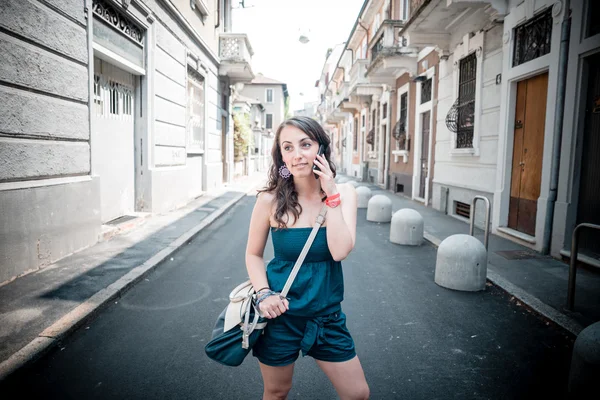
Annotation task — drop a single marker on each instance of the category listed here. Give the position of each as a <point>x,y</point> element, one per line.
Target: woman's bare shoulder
<point>264,198</point>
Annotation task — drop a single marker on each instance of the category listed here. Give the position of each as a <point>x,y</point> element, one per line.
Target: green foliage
<point>242,135</point>
<point>286,112</point>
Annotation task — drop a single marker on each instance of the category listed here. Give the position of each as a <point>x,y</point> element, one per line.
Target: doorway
<point>424,153</point>
<point>589,189</point>
<point>113,152</point>
<point>528,150</point>
<point>224,147</point>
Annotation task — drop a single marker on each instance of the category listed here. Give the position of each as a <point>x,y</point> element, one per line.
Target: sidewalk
<point>39,309</point>
<point>539,282</point>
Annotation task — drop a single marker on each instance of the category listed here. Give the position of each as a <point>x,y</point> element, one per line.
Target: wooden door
<point>588,207</point>
<point>424,152</point>
<point>528,151</point>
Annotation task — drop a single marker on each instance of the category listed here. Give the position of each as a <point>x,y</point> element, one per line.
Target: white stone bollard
<point>461,263</point>
<point>379,209</point>
<point>364,194</point>
<point>585,363</point>
<point>407,227</point>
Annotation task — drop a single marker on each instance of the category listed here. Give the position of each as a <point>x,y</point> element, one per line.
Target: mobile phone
<point>320,153</point>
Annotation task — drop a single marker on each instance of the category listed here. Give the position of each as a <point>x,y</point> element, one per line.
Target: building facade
<point>111,108</point>
<point>448,100</point>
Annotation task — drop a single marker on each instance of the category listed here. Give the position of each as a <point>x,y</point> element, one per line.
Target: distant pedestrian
<point>312,321</point>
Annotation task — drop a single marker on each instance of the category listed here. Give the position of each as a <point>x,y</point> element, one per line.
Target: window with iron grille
<point>533,38</point>
<point>400,131</point>
<point>355,139</point>
<point>466,101</point>
<point>426,91</point>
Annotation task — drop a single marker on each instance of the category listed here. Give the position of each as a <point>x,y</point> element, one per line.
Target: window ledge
<point>472,152</point>
<point>398,153</point>
<point>194,150</point>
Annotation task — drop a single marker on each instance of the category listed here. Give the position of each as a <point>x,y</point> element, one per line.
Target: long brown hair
<point>286,197</point>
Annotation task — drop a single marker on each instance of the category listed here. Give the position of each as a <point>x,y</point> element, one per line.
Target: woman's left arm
<point>341,223</point>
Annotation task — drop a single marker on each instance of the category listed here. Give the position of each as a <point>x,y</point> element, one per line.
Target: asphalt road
<point>415,339</point>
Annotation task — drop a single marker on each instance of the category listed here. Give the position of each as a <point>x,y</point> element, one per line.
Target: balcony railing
<point>386,38</point>
<point>235,53</point>
<point>235,47</point>
<point>357,74</point>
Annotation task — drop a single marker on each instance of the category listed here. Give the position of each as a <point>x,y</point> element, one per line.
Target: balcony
<point>390,58</point>
<point>433,21</point>
<point>236,54</point>
<point>359,87</point>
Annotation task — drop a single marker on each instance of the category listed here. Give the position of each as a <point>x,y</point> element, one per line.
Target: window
<point>363,48</point>
<point>400,128</point>
<point>532,39</point>
<point>269,95</point>
<point>269,121</point>
<point>385,110</point>
<point>404,15</point>
<point>363,120</point>
<point>426,91</point>
<point>377,23</point>
<point>466,101</point>
<point>195,108</point>
<point>593,22</point>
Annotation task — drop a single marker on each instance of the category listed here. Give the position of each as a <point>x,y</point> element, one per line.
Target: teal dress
<point>314,323</point>
<point>318,288</point>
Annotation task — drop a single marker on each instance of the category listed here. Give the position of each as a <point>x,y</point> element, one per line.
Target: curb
<point>67,324</point>
<point>519,293</point>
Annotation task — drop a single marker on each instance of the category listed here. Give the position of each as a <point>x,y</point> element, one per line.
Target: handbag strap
<point>300,260</point>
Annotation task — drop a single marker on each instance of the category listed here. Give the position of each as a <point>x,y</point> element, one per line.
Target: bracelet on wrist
<point>333,201</point>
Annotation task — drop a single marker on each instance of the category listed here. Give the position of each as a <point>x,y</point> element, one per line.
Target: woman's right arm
<point>272,306</point>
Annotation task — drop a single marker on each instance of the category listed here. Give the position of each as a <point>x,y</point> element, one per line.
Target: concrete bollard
<point>379,209</point>
<point>364,194</point>
<point>461,263</point>
<point>585,363</point>
<point>407,227</point>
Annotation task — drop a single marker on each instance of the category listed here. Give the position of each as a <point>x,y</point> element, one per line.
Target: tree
<point>287,108</point>
<point>242,135</point>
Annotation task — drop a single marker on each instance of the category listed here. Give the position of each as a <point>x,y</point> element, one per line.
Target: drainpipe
<point>558,125</point>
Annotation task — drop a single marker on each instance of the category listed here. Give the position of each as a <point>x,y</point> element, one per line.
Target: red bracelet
<point>333,201</point>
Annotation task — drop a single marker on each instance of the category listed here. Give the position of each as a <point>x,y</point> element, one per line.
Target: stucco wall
<point>473,172</point>
<point>174,158</point>
<point>50,205</point>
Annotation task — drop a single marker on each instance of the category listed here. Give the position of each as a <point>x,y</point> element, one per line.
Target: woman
<point>310,320</point>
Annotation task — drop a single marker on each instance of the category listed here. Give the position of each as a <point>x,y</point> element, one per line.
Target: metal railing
<point>573,262</point>
<point>487,218</point>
